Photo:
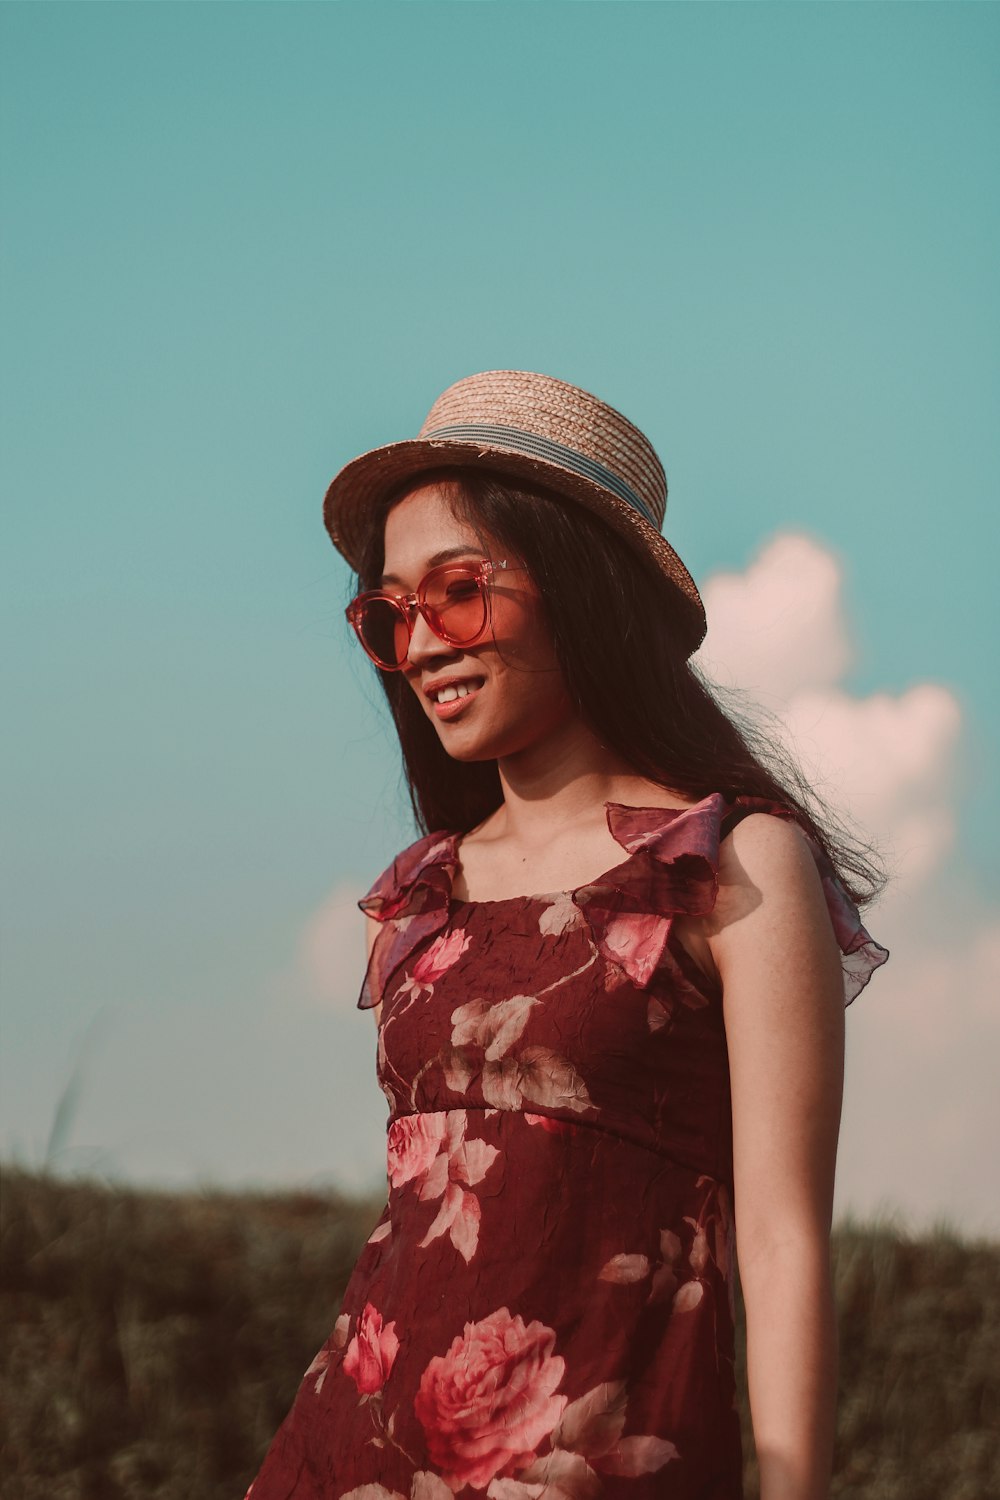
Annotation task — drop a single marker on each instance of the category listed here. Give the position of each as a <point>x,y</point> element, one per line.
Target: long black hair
<point>633,684</point>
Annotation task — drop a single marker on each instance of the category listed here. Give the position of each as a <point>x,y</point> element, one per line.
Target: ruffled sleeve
<point>673,870</point>
<point>860,954</point>
<point>410,899</point>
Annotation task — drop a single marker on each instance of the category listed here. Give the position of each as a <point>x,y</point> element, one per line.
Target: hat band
<point>534,446</point>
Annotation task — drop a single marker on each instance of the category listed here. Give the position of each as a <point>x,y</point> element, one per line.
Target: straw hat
<point>532,427</point>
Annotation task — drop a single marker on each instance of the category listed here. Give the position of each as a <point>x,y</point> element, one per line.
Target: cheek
<point>521,632</point>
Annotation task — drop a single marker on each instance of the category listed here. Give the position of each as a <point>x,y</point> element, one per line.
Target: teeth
<point>446,694</point>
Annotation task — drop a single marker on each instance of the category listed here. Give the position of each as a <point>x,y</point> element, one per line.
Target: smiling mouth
<point>455,690</point>
<point>455,698</point>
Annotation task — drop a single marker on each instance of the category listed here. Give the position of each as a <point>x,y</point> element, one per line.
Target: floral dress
<point>545,1308</point>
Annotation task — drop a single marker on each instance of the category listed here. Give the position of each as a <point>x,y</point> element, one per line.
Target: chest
<point>516,1007</point>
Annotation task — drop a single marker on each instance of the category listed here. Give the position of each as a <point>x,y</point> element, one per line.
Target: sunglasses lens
<point>457,600</point>
<point>454,604</point>
<point>383,632</point>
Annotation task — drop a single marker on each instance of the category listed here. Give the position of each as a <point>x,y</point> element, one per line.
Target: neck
<point>565,780</point>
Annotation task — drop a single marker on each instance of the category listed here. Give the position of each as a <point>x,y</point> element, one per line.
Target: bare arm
<point>783,1004</point>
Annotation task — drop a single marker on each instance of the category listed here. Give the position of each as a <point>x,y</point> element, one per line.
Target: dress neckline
<point>672,869</point>
<point>453,861</point>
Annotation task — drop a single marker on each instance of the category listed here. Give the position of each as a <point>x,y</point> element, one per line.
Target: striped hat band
<point>536,446</point>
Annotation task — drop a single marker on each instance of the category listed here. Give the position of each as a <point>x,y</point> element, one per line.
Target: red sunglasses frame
<point>409,604</point>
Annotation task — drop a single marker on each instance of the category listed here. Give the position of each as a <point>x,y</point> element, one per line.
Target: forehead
<point>419,528</point>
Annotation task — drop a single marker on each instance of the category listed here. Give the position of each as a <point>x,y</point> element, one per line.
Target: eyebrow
<point>449,553</point>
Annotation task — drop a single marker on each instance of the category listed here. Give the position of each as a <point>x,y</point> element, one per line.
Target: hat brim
<point>352,497</point>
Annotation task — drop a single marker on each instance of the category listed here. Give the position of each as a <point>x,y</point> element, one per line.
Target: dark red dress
<point>545,1308</point>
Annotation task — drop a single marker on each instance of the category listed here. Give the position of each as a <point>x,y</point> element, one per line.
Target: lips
<point>453,707</point>
<point>455,687</point>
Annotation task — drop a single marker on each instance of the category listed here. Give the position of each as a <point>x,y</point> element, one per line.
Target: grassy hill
<point>153,1342</point>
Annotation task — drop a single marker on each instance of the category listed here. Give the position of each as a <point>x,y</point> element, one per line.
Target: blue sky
<point>244,243</point>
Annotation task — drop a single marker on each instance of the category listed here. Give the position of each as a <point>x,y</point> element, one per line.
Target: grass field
<point>153,1342</point>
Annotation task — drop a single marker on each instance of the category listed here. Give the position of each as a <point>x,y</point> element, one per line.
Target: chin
<point>472,751</point>
<point>487,744</point>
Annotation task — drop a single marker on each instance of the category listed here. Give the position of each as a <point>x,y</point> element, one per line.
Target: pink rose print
<point>459,1164</point>
<point>372,1352</point>
<point>430,1150</point>
<point>435,961</point>
<point>488,1404</point>
<point>636,940</point>
<point>412,1143</point>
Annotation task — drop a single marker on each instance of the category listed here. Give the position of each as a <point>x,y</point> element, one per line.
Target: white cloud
<point>919,1114</point>
<point>778,627</point>
<point>328,963</point>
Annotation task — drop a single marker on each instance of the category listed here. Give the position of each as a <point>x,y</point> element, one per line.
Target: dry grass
<point>154,1342</point>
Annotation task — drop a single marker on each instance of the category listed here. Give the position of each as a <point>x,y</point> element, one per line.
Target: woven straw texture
<point>539,411</point>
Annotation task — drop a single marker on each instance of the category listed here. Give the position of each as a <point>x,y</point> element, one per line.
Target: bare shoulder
<point>770,896</point>
<point>763,850</point>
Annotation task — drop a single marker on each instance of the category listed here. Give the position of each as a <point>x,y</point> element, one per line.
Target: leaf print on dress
<point>559,1475</point>
<point>667,1271</point>
<point>561,915</point>
<point>593,1423</point>
<point>321,1363</point>
<point>586,1444</point>
<point>716,1222</point>
<point>642,1453</point>
<point>625,1268</point>
<point>657,1014</point>
<point>536,1074</point>
<point>493,1026</point>
<point>425,1486</point>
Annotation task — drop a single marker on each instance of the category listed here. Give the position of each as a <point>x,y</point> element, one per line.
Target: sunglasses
<point>454,599</point>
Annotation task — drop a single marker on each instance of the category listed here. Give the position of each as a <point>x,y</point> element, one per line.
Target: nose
<point>426,647</point>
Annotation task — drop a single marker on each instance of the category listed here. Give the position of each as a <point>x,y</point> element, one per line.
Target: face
<point>517,696</point>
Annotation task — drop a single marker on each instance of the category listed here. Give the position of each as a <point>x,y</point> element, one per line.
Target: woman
<point>609,982</point>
